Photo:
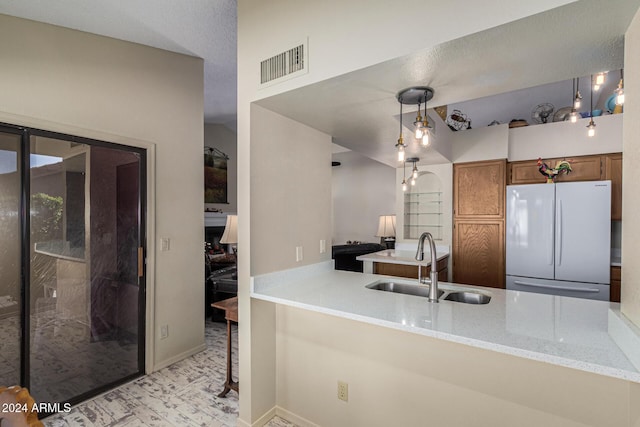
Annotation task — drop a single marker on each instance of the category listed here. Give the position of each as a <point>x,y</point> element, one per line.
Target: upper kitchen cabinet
<point>479,189</point>
<point>584,168</point>
<point>613,172</point>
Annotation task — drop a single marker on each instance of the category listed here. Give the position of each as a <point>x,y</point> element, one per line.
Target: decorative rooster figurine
<point>552,173</point>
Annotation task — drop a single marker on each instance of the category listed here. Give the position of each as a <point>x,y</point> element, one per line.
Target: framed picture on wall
<point>215,175</point>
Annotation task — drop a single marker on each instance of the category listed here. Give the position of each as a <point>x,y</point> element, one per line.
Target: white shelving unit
<point>423,212</point>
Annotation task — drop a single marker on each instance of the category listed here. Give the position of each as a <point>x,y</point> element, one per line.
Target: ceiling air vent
<point>288,64</point>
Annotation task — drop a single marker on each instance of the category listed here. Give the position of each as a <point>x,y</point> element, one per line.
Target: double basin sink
<point>450,293</point>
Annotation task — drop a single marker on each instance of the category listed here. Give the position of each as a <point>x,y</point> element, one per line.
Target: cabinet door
<point>613,172</point>
<point>478,253</point>
<point>584,168</point>
<point>478,189</point>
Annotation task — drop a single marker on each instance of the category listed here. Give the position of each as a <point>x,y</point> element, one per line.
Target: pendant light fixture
<point>599,81</point>
<point>578,98</point>
<point>418,123</point>
<point>414,170</point>
<point>573,117</point>
<point>400,145</point>
<point>620,90</point>
<point>415,95</point>
<point>404,180</point>
<point>426,127</point>
<point>591,126</point>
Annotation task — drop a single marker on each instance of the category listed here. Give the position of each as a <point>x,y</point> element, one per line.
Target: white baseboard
<point>178,357</point>
<point>294,418</point>
<point>282,413</point>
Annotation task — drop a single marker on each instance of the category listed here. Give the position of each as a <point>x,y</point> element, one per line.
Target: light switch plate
<point>165,244</point>
<point>299,255</point>
<point>323,246</point>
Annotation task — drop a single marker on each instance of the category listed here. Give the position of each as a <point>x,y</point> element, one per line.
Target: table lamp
<point>230,235</point>
<point>387,230</point>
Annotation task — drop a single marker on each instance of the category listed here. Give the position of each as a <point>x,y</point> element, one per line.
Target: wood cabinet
<point>584,168</point>
<point>613,172</point>
<point>478,255</point>
<point>411,271</point>
<point>479,190</point>
<point>615,287</point>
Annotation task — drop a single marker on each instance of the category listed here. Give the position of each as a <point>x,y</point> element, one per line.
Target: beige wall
<point>87,85</point>
<point>267,28</point>
<point>362,190</point>
<point>401,379</point>
<point>290,192</point>
<point>226,140</point>
<point>631,175</point>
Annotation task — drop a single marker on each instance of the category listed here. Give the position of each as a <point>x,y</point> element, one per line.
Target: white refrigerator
<point>559,238</point>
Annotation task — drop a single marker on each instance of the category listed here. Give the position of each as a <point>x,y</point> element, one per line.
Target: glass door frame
<point>25,233</point>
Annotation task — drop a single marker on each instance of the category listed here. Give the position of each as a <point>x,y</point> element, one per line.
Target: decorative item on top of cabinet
<point>613,172</point>
<point>583,168</point>
<point>615,286</point>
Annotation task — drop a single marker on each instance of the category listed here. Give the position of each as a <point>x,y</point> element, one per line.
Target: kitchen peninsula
<point>402,262</point>
<point>586,335</point>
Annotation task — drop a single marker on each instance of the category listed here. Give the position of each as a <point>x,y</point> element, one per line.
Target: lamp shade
<point>230,234</point>
<point>387,226</point>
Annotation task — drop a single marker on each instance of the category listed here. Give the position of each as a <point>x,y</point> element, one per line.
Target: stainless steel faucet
<point>432,281</point>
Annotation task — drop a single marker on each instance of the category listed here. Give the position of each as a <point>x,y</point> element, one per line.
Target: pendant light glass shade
<point>400,146</point>
<point>577,98</point>
<point>620,90</point>
<point>425,138</point>
<point>591,128</point>
<point>573,117</point>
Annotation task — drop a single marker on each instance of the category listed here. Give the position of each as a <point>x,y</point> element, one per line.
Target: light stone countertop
<point>575,333</point>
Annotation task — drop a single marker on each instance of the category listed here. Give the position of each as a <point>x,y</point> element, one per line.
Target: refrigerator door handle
<point>560,288</point>
<point>551,213</point>
<point>559,236</point>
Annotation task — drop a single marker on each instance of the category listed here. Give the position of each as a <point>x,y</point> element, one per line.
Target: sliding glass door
<point>82,290</point>
<point>10,257</point>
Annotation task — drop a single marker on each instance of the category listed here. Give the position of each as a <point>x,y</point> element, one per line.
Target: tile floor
<point>183,394</point>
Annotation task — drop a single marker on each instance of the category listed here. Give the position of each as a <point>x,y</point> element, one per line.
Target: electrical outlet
<point>323,246</point>
<point>299,253</point>
<point>343,391</point>
<point>164,331</point>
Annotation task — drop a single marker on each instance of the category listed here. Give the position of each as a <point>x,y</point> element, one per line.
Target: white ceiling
<point>201,28</point>
<point>359,109</point>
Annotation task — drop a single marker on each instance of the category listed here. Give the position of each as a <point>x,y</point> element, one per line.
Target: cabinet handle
<point>140,261</point>
<point>560,288</point>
